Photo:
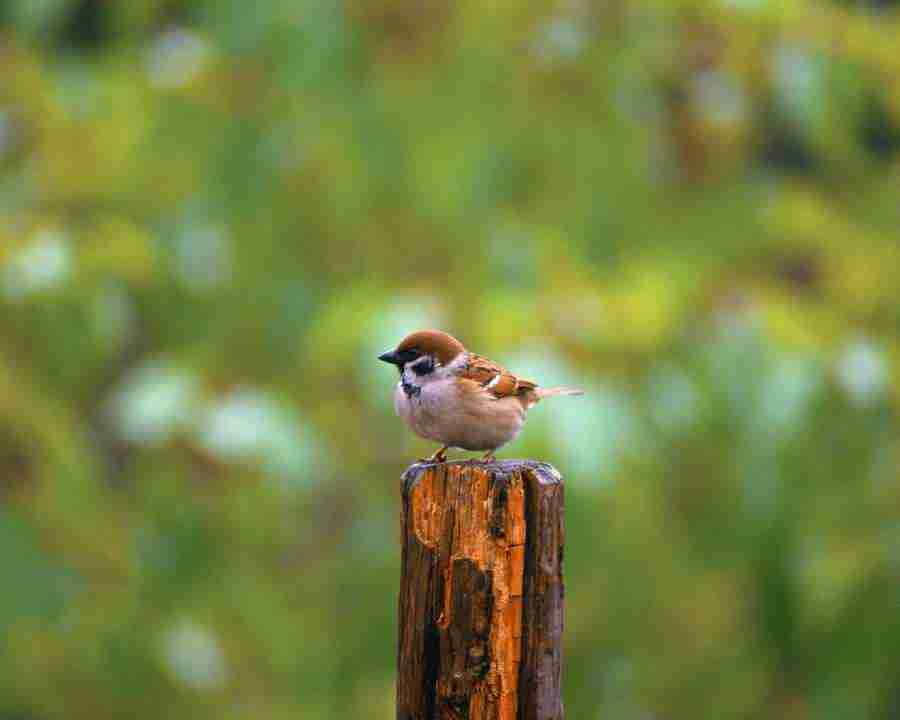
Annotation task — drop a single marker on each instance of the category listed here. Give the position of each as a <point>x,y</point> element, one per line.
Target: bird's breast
<point>441,411</point>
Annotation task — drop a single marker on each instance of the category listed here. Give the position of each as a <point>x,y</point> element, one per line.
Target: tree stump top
<point>545,472</point>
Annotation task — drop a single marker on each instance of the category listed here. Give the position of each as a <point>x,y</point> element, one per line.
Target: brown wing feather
<point>494,378</point>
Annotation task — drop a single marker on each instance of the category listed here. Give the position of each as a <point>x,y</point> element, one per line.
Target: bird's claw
<point>438,457</point>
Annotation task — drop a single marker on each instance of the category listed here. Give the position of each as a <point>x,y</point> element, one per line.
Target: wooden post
<point>481,594</point>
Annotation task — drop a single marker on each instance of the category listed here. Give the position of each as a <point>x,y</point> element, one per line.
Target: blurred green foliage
<point>213,217</point>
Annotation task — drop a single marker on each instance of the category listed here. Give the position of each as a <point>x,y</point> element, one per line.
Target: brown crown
<point>438,344</point>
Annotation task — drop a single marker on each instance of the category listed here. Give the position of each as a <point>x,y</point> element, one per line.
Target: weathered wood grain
<point>481,597</point>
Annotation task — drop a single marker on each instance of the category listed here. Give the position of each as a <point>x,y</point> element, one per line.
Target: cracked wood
<point>480,610</point>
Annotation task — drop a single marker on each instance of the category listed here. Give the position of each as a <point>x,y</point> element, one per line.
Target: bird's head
<point>423,351</point>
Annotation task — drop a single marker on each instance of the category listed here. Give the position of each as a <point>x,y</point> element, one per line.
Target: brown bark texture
<point>481,596</point>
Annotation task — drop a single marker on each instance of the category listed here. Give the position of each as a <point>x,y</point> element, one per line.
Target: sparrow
<point>460,399</point>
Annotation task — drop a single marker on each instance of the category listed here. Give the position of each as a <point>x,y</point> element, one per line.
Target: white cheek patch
<point>493,382</point>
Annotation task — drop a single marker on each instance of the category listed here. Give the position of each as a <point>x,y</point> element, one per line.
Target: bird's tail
<point>550,392</point>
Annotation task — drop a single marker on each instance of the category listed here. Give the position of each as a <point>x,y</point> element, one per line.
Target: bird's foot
<point>438,457</point>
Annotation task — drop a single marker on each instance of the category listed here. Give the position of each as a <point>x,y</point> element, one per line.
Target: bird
<point>459,399</point>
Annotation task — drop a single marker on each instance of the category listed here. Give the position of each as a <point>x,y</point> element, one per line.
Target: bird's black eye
<point>424,366</point>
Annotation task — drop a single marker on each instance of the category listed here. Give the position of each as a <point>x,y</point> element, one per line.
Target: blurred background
<point>215,215</point>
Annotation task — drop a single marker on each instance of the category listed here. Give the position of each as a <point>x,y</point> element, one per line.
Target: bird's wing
<point>496,380</point>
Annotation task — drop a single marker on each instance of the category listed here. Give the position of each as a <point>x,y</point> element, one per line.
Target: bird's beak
<point>391,357</point>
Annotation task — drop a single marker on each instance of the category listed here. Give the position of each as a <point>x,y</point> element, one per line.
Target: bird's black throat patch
<point>410,389</point>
